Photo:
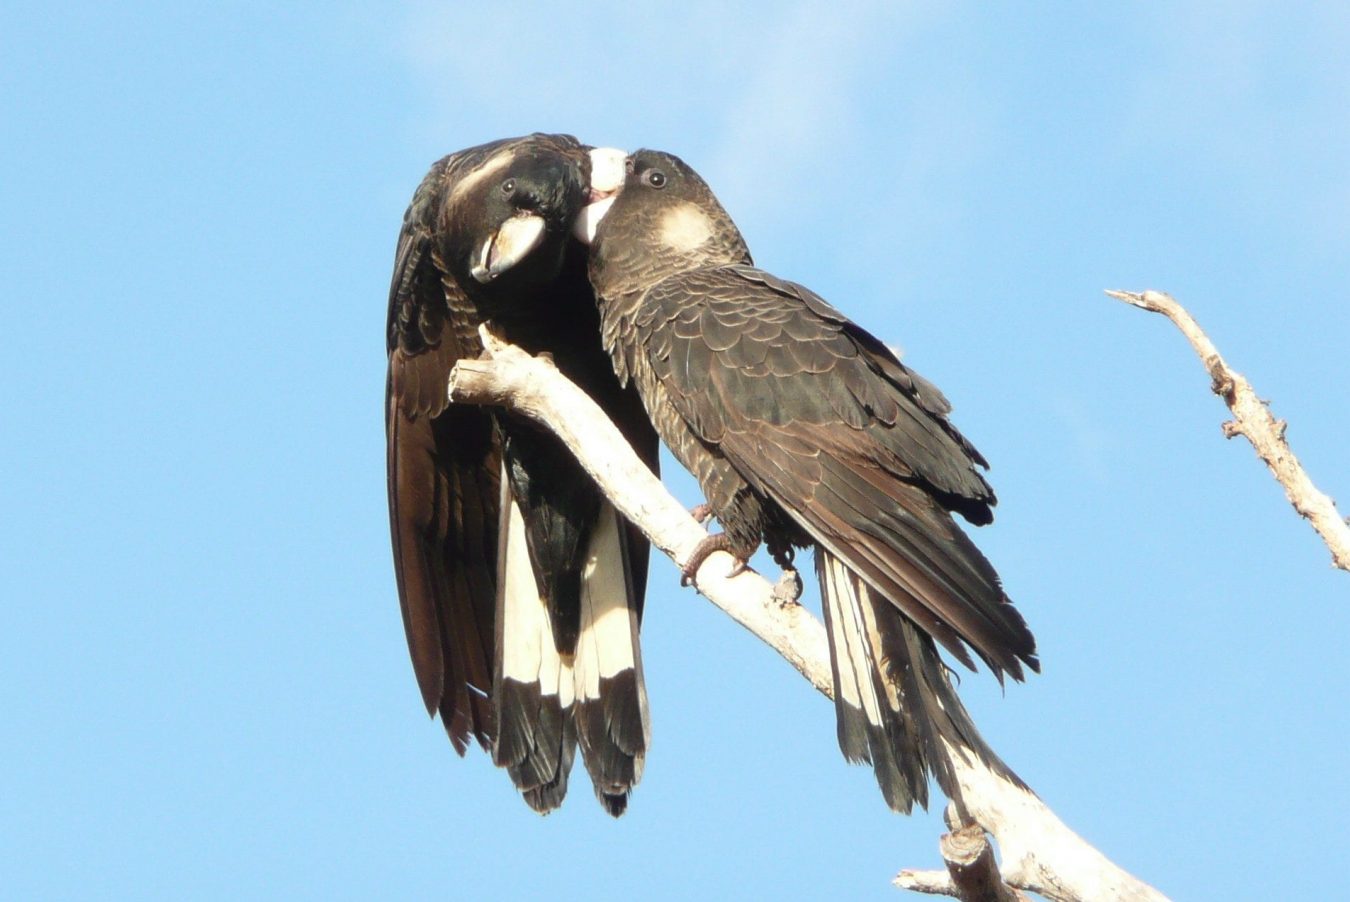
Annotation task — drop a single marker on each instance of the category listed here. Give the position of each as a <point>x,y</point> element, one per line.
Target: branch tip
<point>1129,297</point>
<point>1253,420</point>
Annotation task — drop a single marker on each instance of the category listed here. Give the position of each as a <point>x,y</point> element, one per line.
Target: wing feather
<point>443,482</point>
<point>816,414</point>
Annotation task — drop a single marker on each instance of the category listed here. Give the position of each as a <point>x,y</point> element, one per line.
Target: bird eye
<point>655,178</point>
<point>509,187</point>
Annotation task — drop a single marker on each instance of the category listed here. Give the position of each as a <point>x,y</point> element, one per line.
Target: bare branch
<point>1253,420</point>
<point>972,874</point>
<point>932,883</point>
<point>1040,854</point>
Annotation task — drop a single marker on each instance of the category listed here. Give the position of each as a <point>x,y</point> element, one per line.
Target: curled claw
<point>702,513</point>
<point>709,544</point>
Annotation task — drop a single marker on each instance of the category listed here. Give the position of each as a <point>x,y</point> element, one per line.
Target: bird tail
<point>894,703</point>
<point>534,686</point>
<point>550,699</point>
<point>613,725</point>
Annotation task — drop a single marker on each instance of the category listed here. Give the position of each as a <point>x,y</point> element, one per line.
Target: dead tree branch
<point>1253,420</point>
<point>1040,853</point>
<point>972,874</point>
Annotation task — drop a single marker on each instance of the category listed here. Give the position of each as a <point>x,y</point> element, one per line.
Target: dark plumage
<point>506,553</point>
<point>804,430</point>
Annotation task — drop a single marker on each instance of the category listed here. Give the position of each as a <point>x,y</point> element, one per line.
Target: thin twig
<point>1253,420</point>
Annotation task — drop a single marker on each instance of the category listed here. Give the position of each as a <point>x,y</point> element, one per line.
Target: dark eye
<point>509,187</point>
<point>655,178</point>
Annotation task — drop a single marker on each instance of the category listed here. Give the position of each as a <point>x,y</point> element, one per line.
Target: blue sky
<point>205,687</point>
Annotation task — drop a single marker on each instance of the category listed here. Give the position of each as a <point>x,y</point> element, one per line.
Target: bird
<point>805,431</point>
<point>520,586</point>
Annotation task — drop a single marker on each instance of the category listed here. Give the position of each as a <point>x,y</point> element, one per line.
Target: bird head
<point>662,219</point>
<point>513,211</point>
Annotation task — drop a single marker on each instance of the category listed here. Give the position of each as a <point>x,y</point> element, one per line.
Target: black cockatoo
<point>804,430</point>
<point>521,587</point>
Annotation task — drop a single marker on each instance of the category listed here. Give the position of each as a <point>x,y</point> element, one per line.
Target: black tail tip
<point>614,805</point>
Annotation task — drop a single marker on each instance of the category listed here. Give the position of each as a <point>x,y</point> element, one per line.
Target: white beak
<point>607,175</point>
<point>508,246</point>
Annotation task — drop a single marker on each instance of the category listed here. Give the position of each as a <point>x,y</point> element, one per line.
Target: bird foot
<point>788,589</point>
<point>702,513</point>
<point>717,542</point>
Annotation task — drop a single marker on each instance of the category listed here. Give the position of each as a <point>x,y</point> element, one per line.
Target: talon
<point>717,542</point>
<point>702,513</point>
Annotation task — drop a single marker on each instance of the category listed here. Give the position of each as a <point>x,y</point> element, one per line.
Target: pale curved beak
<point>508,246</point>
<point>607,174</point>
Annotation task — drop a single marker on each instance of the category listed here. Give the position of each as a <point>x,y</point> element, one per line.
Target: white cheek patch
<point>685,227</point>
<point>465,186</point>
<point>588,220</point>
